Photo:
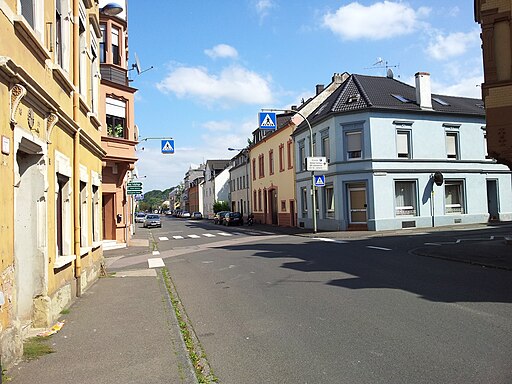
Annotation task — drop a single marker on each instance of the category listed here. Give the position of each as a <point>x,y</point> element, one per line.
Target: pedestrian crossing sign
<point>168,146</point>
<point>320,181</point>
<point>267,120</point>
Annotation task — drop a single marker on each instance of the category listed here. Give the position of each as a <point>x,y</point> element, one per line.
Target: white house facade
<point>385,140</point>
<point>216,185</point>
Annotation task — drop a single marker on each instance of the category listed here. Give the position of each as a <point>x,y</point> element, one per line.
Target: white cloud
<point>263,7</point>
<point>378,21</point>
<point>218,126</point>
<point>222,51</point>
<point>233,84</point>
<point>452,45</point>
<point>464,87</point>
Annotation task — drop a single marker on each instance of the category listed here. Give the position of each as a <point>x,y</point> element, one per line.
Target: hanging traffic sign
<point>134,188</point>
<point>319,181</point>
<point>267,120</point>
<point>167,146</point>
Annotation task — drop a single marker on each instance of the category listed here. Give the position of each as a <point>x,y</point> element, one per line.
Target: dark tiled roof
<point>218,164</point>
<point>361,92</point>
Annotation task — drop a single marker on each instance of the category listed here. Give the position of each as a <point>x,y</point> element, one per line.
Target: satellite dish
<point>138,67</point>
<point>137,64</point>
<point>389,73</point>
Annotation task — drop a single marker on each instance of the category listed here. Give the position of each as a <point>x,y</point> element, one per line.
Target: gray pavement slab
<point>122,330</point>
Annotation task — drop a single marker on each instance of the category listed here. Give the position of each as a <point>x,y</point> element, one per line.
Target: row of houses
<point>383,141</point>
<point>68,149</point>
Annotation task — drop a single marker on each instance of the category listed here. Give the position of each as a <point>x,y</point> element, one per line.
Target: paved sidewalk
<point>122,330</point>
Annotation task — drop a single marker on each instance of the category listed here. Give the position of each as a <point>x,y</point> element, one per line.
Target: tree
<point>220,206</point>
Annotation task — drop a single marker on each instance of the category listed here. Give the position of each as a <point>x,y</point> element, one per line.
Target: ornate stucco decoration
<point>17,93</point>
<point>50,124</point>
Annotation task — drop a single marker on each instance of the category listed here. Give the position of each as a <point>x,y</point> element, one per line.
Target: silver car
<point>152,220</point>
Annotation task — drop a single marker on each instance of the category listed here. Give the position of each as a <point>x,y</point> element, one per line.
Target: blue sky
<point>217,63</point>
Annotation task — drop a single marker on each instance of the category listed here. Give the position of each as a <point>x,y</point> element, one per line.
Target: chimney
<point>319,88</point>
<point>423,91</point>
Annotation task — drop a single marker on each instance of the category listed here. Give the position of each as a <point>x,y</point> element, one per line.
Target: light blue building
<point>384,141</point>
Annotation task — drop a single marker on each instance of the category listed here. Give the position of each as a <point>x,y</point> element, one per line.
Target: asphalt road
<point>290,309</point>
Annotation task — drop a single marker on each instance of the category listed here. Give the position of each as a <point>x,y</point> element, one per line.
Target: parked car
<point>217,219</point>
<point>139,217</point>
<point>152,220</point>
<point>185,214</point>
<point>197,215</point>
<point>233,218</point>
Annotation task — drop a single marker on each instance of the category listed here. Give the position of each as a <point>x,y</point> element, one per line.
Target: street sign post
<point>316,164</point>
<point>167,146</point>
<point>267,120</point>
<point>319,180</point>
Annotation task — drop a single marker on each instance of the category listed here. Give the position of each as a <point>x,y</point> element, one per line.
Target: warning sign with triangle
<point>320,181</point>
<point>168,146</point>
<point>267,120</point>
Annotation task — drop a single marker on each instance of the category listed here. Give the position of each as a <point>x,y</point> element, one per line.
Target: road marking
<point>156,253</point>
<point>163,238</point>
<point>436,244</point>
<point>326,239</point>
<point>208,235</point>
<point>379,248</point>
<point>156,263</point>
<point>194,236</point>
<point>224,234</point>
<point>178,237</point>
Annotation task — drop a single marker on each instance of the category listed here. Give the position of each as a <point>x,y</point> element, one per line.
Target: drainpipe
<point>76,145</point>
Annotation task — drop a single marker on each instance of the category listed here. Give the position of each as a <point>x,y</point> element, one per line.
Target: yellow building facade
<point>50,162</point>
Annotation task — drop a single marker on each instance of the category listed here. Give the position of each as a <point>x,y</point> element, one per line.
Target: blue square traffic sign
<point>267,120</point>
<point>167,146</point>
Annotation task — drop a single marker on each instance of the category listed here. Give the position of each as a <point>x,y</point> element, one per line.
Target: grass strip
<point>196,353</point>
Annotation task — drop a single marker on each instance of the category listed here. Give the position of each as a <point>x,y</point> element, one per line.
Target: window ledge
<point>22,27</point>
<point>63,260</point>
<point>62,78</point>
<point>96,245</point>
<point>85,250</point>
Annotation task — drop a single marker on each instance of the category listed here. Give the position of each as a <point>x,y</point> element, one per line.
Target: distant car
<point>152,220</point>
<point>233,218</point>
<point>217,219</point>
<point>139,217</point>
<point>197,215</point>
<point>185,214</point>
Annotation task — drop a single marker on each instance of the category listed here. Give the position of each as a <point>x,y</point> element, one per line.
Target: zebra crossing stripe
<point>208,235</point>
<point>224,234</point>
<point>178,237</point>
<point>194,236</point>
<point>163,238</point>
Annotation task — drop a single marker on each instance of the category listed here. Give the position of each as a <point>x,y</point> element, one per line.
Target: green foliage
<point>154,200</point>
<point>220,206</point>
<point>36,347</point>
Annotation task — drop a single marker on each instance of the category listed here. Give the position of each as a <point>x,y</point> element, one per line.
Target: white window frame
<point>329,201</point>
<point>403,209</point>
<point>403,144</point>
<point>64,169</point>
<point>452,149</point>
<point>455,208</point>
<point>304,201</point>
<point>352,151</point>
<point>301,155</point>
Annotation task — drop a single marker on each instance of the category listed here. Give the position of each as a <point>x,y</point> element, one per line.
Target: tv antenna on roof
<point>380,63</point>
<point>138,67</point>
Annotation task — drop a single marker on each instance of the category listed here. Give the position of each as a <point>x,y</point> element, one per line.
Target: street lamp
<point>244,151</point>
<point>112,9</point>
<point>312,148</point>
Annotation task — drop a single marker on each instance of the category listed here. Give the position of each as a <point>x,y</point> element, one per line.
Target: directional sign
<point>316,164</point>
<point>319,181</point>
<point>168,146</point>
<point>267,120</point>
<point>134,188</point>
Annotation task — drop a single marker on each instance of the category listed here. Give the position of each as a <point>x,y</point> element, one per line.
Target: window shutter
<point>402,143</point>
<point>115,107</point>
<point>354,141</point>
